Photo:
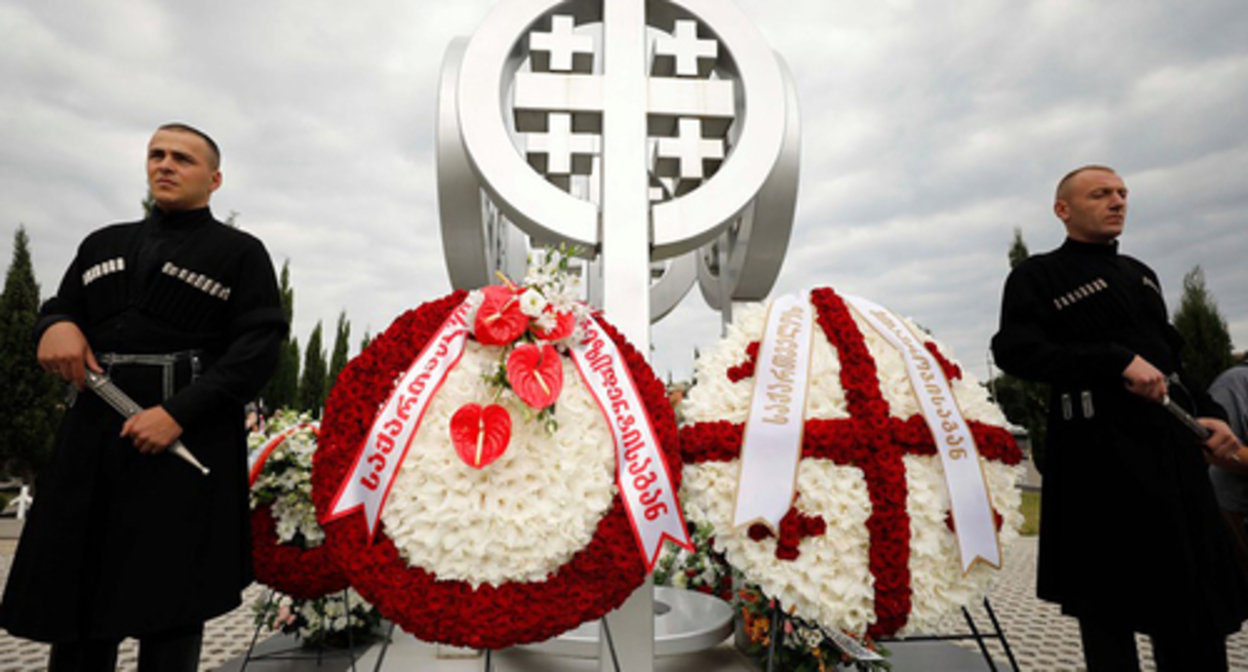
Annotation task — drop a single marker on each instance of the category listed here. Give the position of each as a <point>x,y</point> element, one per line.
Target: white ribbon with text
<point>772,445</point>
<point>968,493</point>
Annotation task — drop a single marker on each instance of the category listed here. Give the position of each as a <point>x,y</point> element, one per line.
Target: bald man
<point>1130,539</point>
<point>124,539</point>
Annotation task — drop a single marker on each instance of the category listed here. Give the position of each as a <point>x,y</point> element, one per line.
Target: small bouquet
<point>805,646</point>
<point>534,324</point>
<point>336,620</point>
<point>703,569</point>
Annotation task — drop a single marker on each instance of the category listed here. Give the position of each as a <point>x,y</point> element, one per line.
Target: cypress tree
<point>1206,341</point>
<point>282,390</point>
<point>312,384</point>
<point>31,398</point>
<point>338,360</point>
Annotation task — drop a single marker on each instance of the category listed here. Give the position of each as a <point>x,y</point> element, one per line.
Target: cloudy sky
<point>931,130</point>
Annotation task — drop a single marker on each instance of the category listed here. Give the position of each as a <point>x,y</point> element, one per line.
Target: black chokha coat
<point>1130,531</point>
<point>124,544</point>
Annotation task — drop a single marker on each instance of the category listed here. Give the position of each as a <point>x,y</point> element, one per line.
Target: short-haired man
<point>125,539</point>
<point>1131,539</point>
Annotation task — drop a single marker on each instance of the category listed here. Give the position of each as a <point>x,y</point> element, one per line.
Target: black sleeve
<point>1025,344</point>
<point>66,305</point>
<point>257,327</point>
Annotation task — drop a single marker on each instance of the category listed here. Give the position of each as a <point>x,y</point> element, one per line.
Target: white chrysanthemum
<point>830,581</point>
<point>522,516</point>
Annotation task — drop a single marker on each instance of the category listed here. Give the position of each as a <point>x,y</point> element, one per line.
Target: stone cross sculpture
<point>658,136</point>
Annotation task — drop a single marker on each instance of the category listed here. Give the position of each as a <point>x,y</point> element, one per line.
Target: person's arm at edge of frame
<point>1223,396</point>
<point>61,347</point>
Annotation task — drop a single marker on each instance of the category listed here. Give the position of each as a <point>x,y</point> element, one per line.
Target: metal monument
<point>660,137</point>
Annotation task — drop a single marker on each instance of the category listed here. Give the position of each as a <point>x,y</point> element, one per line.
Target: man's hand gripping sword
<point>106,389</point>
<point>1188,420</point>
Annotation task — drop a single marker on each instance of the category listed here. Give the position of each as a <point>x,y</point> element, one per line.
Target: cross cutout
<point>684,156</point>
<point>692,57</point>
<point>561,50</point>
<point>559,151</point>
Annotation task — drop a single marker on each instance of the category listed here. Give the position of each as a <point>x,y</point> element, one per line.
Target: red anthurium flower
<point>564,323</point>
<point>535,374</point>
<point>480,434</point>
<point>499,319</point>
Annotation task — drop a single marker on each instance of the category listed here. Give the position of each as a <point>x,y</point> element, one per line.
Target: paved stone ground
<point>225,638</point>
<point>1041,638</point>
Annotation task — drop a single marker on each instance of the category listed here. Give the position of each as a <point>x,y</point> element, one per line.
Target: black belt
<point>167,362</point>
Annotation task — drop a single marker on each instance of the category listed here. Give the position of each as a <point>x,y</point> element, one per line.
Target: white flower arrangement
<point>831,582</point>
<point>323,621</point>
<point>529,512</point>
<point>286,479</point>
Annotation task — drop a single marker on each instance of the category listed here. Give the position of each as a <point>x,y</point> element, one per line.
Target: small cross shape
<point>683,155</point>
<point>559,151</point>
<point>693,57</point>
<point>561,50</point>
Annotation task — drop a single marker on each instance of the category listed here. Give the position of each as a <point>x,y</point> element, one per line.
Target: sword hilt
<point>106,389</point>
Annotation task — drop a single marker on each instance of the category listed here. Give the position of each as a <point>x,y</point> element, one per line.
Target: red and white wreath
<point>503,523</point>
<point>868,544</point>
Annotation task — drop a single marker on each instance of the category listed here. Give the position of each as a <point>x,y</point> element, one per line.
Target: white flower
<point>532,303</point>
<point>537,276</point>
<point>546,321</point>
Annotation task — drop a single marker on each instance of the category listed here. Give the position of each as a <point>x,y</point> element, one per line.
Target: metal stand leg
<point>346,605</point>
<point>777,634</point>
<point>997,633</point>
<point>1005,644</point>
<point>979,639</point>
<point>385,646</point>
<point>255,635</point>
<point>606,631</point>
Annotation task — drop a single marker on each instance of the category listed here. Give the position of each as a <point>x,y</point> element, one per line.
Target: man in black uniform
<point>124,538</point>
<point>1131,539</point>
